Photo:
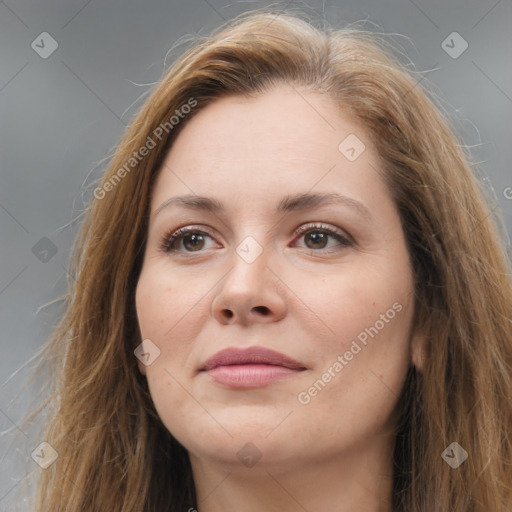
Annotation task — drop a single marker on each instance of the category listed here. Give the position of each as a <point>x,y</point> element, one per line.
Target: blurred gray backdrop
<point>70,76</point>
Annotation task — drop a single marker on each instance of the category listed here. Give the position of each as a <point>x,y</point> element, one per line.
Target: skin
<point>299,297</point>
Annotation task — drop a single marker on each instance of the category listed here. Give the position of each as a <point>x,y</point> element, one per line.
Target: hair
<point>114,451</point>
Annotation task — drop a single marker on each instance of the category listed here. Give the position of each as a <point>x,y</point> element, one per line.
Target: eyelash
<point>171,237</point>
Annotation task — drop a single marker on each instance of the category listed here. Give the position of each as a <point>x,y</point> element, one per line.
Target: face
<point>327,285</point>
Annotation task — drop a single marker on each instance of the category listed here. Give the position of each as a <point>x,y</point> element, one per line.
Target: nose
<point>251,292</point>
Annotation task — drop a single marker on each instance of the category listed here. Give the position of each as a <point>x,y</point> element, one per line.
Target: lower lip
<point>250,375</point>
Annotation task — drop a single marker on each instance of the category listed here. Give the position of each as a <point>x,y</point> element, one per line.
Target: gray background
<point>63,114</point>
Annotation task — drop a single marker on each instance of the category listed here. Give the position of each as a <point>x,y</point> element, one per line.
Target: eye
<point>316,237</point>
<point>192,239</point>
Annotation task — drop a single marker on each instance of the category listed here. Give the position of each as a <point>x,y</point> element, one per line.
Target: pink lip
<point>251,367</point>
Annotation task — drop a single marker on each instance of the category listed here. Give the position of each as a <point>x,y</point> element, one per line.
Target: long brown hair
<point>114,452</point>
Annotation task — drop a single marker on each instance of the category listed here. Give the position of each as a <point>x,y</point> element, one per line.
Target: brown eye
<point>192,240</point>
<point>317,240</point>
<point>316,237</point>
<point>185,240</point>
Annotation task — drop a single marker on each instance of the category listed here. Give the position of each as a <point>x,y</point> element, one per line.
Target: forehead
<point>284,140</point>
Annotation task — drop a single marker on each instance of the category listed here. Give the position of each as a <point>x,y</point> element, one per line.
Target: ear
<point>419,351</point>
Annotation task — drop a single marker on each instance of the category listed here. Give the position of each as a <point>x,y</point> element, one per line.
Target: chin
<point>257,439</point>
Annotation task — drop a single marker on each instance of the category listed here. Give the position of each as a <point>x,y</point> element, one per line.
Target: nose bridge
<point>248,291</point>
<point>249,262</point>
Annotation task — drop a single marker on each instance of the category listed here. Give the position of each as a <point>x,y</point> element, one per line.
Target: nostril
<point>262,309</point>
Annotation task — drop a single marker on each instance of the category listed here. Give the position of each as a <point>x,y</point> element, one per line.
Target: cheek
<point>157,312</point>
<point>356,304</point>
<point>170,313</point>
<point>157,304</point>
<point>144,298</point>
<point>369,317</point>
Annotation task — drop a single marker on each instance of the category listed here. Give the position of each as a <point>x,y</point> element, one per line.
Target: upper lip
<point>251,355</point>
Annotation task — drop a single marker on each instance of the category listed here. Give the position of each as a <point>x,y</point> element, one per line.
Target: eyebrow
<point>288,204</point>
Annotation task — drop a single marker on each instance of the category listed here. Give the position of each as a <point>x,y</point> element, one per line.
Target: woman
<point>290,295</point>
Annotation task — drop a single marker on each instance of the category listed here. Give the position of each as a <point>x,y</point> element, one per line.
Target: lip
<point>250,367</point>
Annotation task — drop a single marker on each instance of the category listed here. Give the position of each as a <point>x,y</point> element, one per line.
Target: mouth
<point>250,368</point>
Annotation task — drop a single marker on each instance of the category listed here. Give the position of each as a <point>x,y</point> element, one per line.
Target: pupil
<point>317,237</point>
<point>196,238</point>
